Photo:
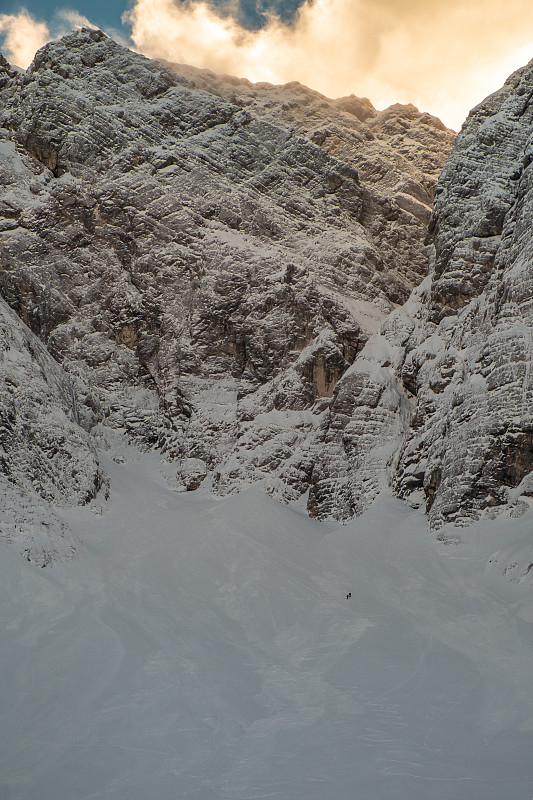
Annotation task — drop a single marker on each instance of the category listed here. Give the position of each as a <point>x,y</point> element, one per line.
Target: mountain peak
<point>206,256</point>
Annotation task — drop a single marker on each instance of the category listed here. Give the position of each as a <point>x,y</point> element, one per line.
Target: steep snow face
<point>204,272</point>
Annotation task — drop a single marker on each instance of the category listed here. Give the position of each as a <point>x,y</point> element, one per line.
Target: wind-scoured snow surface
<point>201,647</point>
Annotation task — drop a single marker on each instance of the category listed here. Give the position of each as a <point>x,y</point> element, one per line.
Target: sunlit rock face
<point>398,154</point>
<point>446,387</point>
<point>206,268</point>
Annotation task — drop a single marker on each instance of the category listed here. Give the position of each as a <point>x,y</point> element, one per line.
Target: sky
<point>445,57</point>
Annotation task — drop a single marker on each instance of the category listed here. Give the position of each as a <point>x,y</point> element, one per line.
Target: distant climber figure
<point>348,595</point>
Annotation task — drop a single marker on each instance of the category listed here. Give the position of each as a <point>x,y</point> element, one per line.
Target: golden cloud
<point>443,57</point>
<point>23,35</point>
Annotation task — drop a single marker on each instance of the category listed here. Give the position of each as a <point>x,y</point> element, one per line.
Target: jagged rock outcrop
<point>453,424</point>
<point>47,458</point>
<point>43,447</point>
<point>206,271</point>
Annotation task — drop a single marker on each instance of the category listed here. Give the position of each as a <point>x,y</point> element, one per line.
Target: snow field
<point>200,647</point>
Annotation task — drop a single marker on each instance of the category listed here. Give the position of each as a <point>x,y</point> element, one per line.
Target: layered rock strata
<point>398,154</point>
<point>205,270</point>
<point>47,457</point>
<point>447,387</point>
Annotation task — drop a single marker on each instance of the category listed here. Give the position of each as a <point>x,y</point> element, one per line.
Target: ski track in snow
<point>199,647</point>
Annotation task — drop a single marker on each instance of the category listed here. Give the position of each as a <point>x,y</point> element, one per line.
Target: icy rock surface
<point>206,268</point>
<point>46,458</point>
<point>446,388</point>
<point>43,446</point>
<point>470,443</point>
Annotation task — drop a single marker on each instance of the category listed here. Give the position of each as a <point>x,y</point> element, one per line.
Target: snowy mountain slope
<point>204,274</point>
<point>212,285</point>
<point>201,647</point>
<point>47,455</point>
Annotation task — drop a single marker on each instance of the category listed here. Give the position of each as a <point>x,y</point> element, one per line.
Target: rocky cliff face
<point>398,155</point>
<point>206,264</point>
<point>44,447</point>
<point>446,388</point>
<point>473,419</point>
<point>220,270</point>
<point>46,454</point>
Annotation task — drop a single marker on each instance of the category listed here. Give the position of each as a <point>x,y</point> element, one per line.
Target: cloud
<point>22,35</point>
<point>444,57</point>
<point>73,19</point>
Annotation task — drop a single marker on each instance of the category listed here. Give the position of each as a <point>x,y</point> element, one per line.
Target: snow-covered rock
<point>218,267</point>
<point>206,268</point>
<point>44,447</point>
<point>47,459</point>
<point>398,154</point>
<point>452,423</point>
<point>470,442</point>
